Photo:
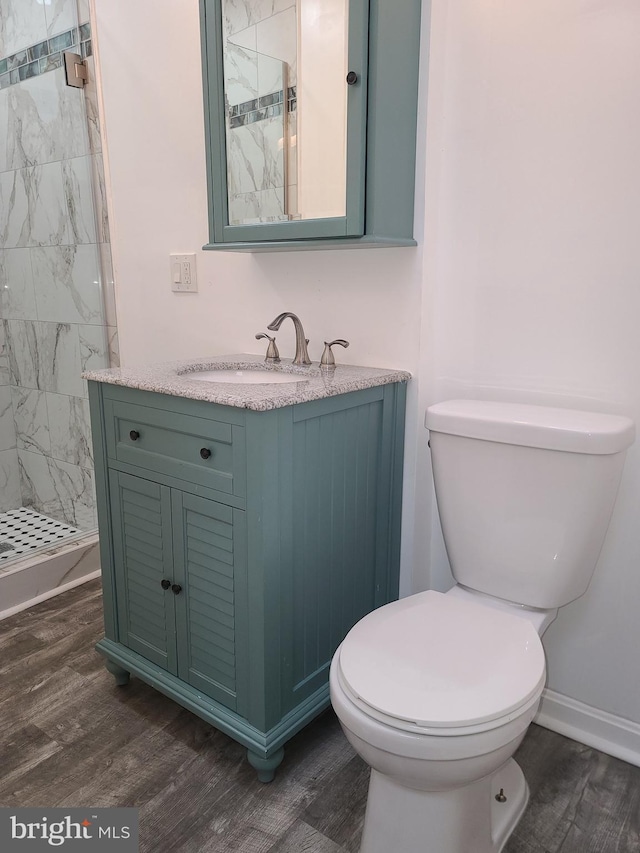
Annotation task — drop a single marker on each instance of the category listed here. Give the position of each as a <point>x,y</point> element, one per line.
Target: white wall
<point>529,278</point>
<point>322,108</point>
<point>536,273</point>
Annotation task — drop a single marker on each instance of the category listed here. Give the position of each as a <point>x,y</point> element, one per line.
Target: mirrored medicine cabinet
<point>310,121</point>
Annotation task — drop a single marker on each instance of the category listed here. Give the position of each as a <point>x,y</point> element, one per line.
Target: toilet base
<point>506,816</point>
<point>463,820</point>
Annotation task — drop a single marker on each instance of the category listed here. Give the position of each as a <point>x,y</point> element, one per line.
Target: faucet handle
<point>327,359</point>
<point>272,349</point>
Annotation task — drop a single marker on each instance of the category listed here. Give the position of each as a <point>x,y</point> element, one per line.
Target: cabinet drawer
<point>193,449</point>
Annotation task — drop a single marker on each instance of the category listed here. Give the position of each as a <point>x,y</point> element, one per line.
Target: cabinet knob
<point>134,435</point>
<point>352,78</point>
<point>205,453</point>
<point>176,589</point>
<point>165,584</point>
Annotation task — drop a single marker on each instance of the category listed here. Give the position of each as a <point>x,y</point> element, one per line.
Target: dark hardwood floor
<point>70,737</point>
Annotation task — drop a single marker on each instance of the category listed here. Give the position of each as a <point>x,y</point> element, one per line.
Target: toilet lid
<point>434,660</point>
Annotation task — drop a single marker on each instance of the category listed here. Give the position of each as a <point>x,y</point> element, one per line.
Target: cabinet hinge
<point>76,69</point>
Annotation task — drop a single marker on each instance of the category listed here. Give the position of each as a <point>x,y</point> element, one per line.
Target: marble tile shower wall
<point>260,66</point>
<point>56,286</point>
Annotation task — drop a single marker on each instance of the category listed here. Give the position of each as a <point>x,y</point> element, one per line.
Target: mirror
<point>285,69</point>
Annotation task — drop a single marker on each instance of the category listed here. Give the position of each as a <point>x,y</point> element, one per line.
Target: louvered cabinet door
<point>210,562</point>
<point>141,524</point>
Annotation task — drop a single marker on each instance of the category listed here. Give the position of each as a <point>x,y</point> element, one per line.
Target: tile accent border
<point>259,109</point>
<point>44,56</point>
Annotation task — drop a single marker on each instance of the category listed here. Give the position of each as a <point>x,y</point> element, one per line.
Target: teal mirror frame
<point>384,50</point>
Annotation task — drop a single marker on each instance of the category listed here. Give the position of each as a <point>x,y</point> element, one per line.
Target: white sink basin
<point>245,377</point>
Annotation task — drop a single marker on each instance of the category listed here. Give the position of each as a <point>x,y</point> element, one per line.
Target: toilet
<point>436,691</point>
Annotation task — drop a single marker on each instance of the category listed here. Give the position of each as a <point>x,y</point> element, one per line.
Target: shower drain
<point>23,530</point>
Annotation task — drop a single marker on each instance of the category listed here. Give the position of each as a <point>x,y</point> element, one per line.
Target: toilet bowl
<point>436,691</point>
<point>404,685</point>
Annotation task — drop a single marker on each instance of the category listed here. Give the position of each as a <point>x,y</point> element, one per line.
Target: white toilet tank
<point>525,495</point>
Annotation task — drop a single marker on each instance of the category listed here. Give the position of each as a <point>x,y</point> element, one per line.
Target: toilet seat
<point>438,664</point>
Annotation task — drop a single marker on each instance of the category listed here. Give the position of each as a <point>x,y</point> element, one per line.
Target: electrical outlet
<point>183,273</point>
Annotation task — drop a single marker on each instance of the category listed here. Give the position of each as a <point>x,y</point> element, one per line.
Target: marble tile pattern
<point>33,207</point>
<point>255,157</point>
<point>46,356</point>
<point>41,121</point>
<point>94,347</point>
<point>240,74</point>
<point>92,107</point>
<point>23,23</point>
<point>60,15</point>
<point>83,11</point>
<point>17,294</point>
<point>239,14</point>
<point>10,495</point>
<point>48,205</point>
<point>255,207</point>
<point>108,284</point>
<point>173,378</point>
<point>4,357</point>
<point>260,64</point>
<point>58,489</point>
<point>56,277</point>
<point>114,346</point>
<point>31,419</point>
<point>66,284</point>
<point>100,198</point>
<point>79,197</point>
<point>7,427</point>
<point>69,429</point>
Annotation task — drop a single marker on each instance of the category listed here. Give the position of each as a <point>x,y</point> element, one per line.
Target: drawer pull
<point>165,584</point>
<point>134,435</point>
<point>205,453</point>
<point>176,589</point>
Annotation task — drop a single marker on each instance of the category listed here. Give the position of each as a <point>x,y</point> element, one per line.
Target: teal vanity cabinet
<point>238,547</point>
<point>310,144</point>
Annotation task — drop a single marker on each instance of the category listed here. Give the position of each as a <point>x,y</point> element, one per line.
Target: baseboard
<point>606,732</point>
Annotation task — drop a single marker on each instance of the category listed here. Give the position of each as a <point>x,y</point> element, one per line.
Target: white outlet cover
<point>183,275</point>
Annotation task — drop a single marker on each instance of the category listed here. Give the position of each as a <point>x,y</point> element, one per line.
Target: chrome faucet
<point>302,356</point>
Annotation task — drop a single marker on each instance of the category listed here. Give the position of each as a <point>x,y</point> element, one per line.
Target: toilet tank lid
<point>532,426</point>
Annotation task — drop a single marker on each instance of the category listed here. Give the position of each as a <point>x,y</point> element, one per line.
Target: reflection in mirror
<point>285,64</point>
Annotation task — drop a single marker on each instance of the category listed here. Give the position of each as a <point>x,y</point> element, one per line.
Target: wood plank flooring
<point>70,737</point>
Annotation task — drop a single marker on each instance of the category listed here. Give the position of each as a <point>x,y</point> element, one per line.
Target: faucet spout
<point>302,356</point>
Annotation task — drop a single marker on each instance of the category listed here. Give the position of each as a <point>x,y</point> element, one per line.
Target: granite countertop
<point>173,378</point>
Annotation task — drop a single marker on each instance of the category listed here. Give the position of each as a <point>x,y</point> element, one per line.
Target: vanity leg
<point>266,767</point>
<point>121,675</point>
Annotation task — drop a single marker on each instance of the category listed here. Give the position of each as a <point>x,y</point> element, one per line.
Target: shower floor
<point>23,531</point>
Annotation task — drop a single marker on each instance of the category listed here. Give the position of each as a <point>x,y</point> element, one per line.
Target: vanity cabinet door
<point>181,584</point>
<point>209,546</point>
<point>143,557</point>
